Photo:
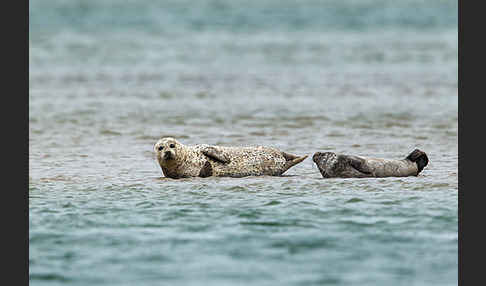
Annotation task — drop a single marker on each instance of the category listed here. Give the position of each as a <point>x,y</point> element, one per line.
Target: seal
<point>181,161</point>
<point>332,165</point>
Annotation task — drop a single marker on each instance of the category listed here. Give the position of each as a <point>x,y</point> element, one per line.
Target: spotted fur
<point>181,161</point>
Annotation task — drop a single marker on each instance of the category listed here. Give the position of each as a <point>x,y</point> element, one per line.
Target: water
<point>371,78</point>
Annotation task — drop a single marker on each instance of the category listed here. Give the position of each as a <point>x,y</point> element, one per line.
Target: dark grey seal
<point>332,165</point>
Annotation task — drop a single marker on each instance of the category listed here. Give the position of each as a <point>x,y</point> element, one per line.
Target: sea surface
<point>108,78</point>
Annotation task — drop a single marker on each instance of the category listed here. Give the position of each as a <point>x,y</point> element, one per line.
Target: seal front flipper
<point>358,163</point>
<point>206,170</point>
<point>216,155</point>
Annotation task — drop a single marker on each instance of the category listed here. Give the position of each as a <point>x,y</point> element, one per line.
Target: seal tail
<point>420,158</point>
<point>292,160</point>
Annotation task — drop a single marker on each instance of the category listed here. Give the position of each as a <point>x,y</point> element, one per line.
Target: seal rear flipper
<point>216,155</point>
<point>292,162</point>
<point>289,157</point>
<point>420,158</point>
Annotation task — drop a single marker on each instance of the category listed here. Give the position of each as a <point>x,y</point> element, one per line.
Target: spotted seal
<point>332,165</point>
<point>181,161</point>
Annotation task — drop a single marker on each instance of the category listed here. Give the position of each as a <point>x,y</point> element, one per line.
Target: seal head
<point>325,162</point>
<point>167,150</point>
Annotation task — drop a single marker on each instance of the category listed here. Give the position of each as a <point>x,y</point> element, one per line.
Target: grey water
<point>108,78</point>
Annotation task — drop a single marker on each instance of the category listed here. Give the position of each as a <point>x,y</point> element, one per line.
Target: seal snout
<point>316,156</point>
<point>168,155</point>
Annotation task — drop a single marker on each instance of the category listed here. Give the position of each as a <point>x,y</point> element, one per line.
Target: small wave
<point>109,132</point>
<point>354,200</point>
<point>272,203</point>
<point>237,189</point>
<point>274,223</point>
<point>304,245</point>
<point>58,178</point>
<point>49,277</point>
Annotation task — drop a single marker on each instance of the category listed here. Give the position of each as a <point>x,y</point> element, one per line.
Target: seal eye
<point>160,148</point>
<point>172,145</point>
